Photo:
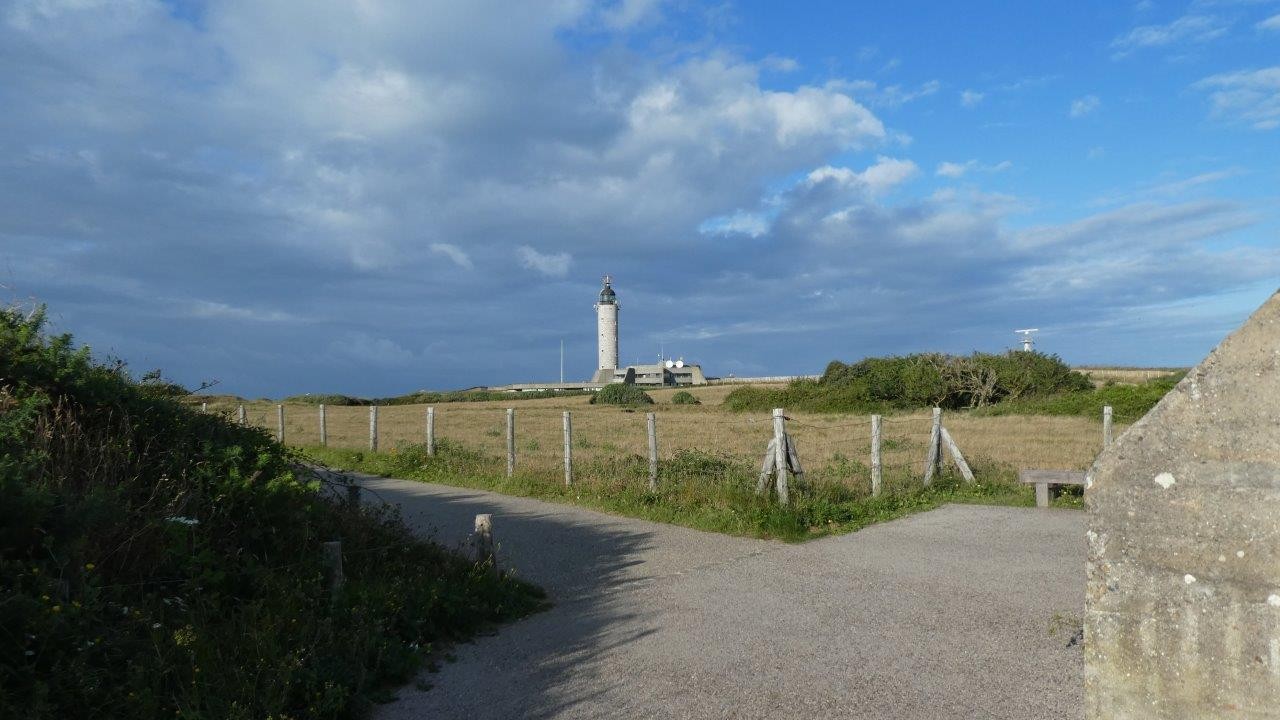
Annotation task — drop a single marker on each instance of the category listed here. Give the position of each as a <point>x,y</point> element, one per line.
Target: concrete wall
<point>1183,605</point>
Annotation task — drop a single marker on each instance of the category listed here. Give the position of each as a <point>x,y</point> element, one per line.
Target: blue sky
<point>378,197</point>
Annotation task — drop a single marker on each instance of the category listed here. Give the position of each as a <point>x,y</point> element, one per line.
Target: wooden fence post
<point>240,415</point>
<point>324,428</point>
<point>568,448</point>
<point>1106,427</point>
<point>876,471</point>
<point>204,407</point>
<point>956,455</point>
<point>431,431</point>
<point>933,460</point>
<point>280,424</point>
<point>651,420</point>
<point>780,454</point>
<point>511,442</point>
<point>373,428</point>
<point>482,540</point>
<point>333,558</point>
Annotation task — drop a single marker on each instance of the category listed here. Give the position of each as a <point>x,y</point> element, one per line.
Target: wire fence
<point>608,439</point>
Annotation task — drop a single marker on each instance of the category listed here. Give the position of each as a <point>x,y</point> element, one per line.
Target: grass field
<point>828,443</point>
<point>709,457</point>
<point>1125,375</point>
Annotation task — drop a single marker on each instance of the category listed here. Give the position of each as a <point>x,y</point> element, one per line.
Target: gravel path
<point>954,613</point>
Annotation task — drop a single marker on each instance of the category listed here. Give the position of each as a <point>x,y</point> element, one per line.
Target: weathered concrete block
<point>1183,599</point>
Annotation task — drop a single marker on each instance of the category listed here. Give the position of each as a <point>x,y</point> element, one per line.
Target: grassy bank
<point>696,489</point>
<point>156,562</point>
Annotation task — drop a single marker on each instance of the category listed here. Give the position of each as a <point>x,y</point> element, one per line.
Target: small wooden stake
<point>431,431</point>
<point>240,414</point>
<point>280,424</point>
<point>511,442</point>
<point>933,460</point>
<point>568,448</point>
<point>204,407</point>
<point>324,428</point>
<point>482,540</point>
<point>1106,426</point>
<point>956,455</point>
<point>876,470</point>
<point>651,421</point>
<point>373,427</point>
<point>767,466</point>
<point>333,558</point>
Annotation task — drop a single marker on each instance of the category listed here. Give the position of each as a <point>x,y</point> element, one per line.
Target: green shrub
<point>1128,402</point>
<point>160,562</point>
<point>922,380</point>
<point>621,394</point>
<point>684,397</point>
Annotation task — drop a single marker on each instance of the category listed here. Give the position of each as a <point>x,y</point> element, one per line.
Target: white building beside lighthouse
<point>665,373</point>
<point>606,333</point>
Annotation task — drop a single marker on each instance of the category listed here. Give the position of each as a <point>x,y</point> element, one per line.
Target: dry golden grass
<point>602,431</point>
<point>1124,376</point>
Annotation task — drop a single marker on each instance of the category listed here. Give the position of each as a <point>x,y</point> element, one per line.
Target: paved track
<point>946,614</point>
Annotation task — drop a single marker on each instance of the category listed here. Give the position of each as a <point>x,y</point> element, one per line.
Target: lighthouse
<point>607,331</point>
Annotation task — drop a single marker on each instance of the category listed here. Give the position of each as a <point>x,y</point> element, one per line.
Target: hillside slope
<point>159,562</point>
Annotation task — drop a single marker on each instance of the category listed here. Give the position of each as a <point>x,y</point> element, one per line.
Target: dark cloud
<point>374,198</point>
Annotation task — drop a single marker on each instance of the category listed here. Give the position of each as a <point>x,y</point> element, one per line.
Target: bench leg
<point>1042,495</point>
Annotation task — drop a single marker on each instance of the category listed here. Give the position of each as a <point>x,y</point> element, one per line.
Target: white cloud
<point>971,98</point>
<point>625,14</point>
<point>891,96</point>
<point>454,253</point>
<point>1086,105</point>
<point>877,179</point>
<point>956,170</point>
<point>550,264</point>
<point>1271,23</point>
<point>1188,28</point>
<point>1251,97</point>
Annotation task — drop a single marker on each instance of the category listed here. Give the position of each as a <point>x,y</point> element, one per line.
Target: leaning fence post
<point>482,540</point>
<point>568,448</point>
<point>280,424</point>
<point>431,431</point>
<point>876,471</point>
<point>333,559</point>
<point>651,419</point>
<point>933,460</point>
<point>780,453</point>
<point>240,414</point>
<point>373,427</point>
<point>956,455</point>
<point>511,442</point>
<point>1106,426</point>
<point>324,429</point>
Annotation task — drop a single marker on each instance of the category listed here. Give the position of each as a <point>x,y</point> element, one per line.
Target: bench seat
<point>1042,479</point>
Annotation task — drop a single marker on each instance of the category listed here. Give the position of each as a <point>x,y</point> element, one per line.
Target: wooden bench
<point>1042,479</point>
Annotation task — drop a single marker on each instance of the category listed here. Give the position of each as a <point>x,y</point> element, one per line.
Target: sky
<point>374,197</point>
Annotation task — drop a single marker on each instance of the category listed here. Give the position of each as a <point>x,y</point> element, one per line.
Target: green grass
<point>157,562</point>
<point>696,489</point>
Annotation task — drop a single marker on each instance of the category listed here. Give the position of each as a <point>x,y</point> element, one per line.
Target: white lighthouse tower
<point>607,332</point>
